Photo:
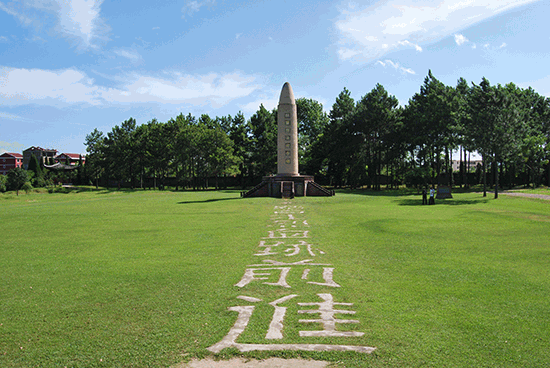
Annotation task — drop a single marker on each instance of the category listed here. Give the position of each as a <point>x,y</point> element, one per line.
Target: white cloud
<point>238,35</point>
<point>460,39</point>
<point>56,88</point>
<point>71,87</point>
<point>5,115</point>
<point>368,32</point>
<point>269,97</point>
<point>194,6</point>
<point>10,146</point>
<point>129,54</point>
<point>347,53</point>
<point>269,103</point>
<point>396,66</point>
<point>503,45</point>
<point>36,38</point>
<point>176,88</point>
<point>78,20</point>
<point>11,11</point>
<point>408,43</point>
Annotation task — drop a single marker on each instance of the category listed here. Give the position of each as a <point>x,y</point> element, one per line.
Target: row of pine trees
<point>369,142</point>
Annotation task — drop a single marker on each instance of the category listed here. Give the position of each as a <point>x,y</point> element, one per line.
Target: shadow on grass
<point>417,200</point>
<point>210,200</point>
<point>114,190</point>
<point>75,189</point>
<point>442,202</point>
<point>380,193</point>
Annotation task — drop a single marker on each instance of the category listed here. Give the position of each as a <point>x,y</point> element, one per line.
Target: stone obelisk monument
<point>287,133</point>
<point>288,182</point>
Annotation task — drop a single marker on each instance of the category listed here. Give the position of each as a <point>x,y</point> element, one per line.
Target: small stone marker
<point>443,192</point>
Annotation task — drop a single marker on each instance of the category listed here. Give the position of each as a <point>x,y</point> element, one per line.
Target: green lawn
<point>144,279</point>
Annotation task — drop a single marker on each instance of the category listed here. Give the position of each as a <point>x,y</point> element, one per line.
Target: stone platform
<point>287,186</point>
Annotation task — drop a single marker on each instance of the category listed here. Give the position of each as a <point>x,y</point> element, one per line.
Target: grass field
<point>144,279</point>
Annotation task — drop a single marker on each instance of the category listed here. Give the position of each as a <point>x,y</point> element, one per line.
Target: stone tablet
<point>443,192</point>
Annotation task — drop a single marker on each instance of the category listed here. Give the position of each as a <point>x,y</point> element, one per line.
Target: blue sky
<point>69,66</point>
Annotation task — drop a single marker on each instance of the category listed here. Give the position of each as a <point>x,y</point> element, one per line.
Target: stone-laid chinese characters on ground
<point>286,249</point>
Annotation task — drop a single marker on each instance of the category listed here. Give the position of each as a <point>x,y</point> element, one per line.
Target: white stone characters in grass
<point>326,313</point>
<point>276,326</point>
<point>251,274</point>
<point>293,247</point>
<point>267,273</point>
<point>282,253</point>
<point>275,331</point>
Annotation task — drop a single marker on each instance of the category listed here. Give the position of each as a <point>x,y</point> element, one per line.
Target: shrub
<point>27,187</point>
<point>39,182</point>
<point>417,177</point>
<point>3,181</point>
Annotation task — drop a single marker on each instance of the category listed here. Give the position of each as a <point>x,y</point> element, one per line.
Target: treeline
<point>370,142</point>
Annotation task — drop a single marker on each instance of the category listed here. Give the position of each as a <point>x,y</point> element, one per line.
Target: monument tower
<point>288,182</point>
<point>287,133</point>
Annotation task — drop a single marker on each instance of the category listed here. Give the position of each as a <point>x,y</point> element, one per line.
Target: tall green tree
<point>219,157</point>
<point>184,147</point>
<point>17,177</point>
<point>429,123</point>
<point>534,143</point>
<point>157,149</point>
<point>460,117</point>
<point>35,167</point>
<point>240,135</point>
<point>334,149</point>
<point>495,124</point>
<point>375,117</point>
<point>121,153</point>
<point>95,159</point>
<point>263,129</point>
<point>312,120</point>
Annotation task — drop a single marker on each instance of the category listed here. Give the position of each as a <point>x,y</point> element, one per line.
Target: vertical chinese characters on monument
<point>287,249</point>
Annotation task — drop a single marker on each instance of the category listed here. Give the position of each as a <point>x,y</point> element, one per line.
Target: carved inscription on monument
<point>286,249</point>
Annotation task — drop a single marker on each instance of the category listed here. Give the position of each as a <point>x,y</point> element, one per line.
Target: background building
<point>42,154</point>
<point>470,166</point>
<point>10,160</point>
<point>72,159</point>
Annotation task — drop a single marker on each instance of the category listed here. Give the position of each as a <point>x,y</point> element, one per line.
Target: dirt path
<point>518,194</point>
<point>241,363</point>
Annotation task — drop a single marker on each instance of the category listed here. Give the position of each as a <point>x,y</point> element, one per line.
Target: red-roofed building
<point>10,160</point>
<point>72,158</point>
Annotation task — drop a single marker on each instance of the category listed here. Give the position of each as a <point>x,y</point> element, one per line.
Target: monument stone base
<point>287,186</point>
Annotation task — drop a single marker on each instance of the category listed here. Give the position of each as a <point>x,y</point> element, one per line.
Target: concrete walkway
<point>252,363</point>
